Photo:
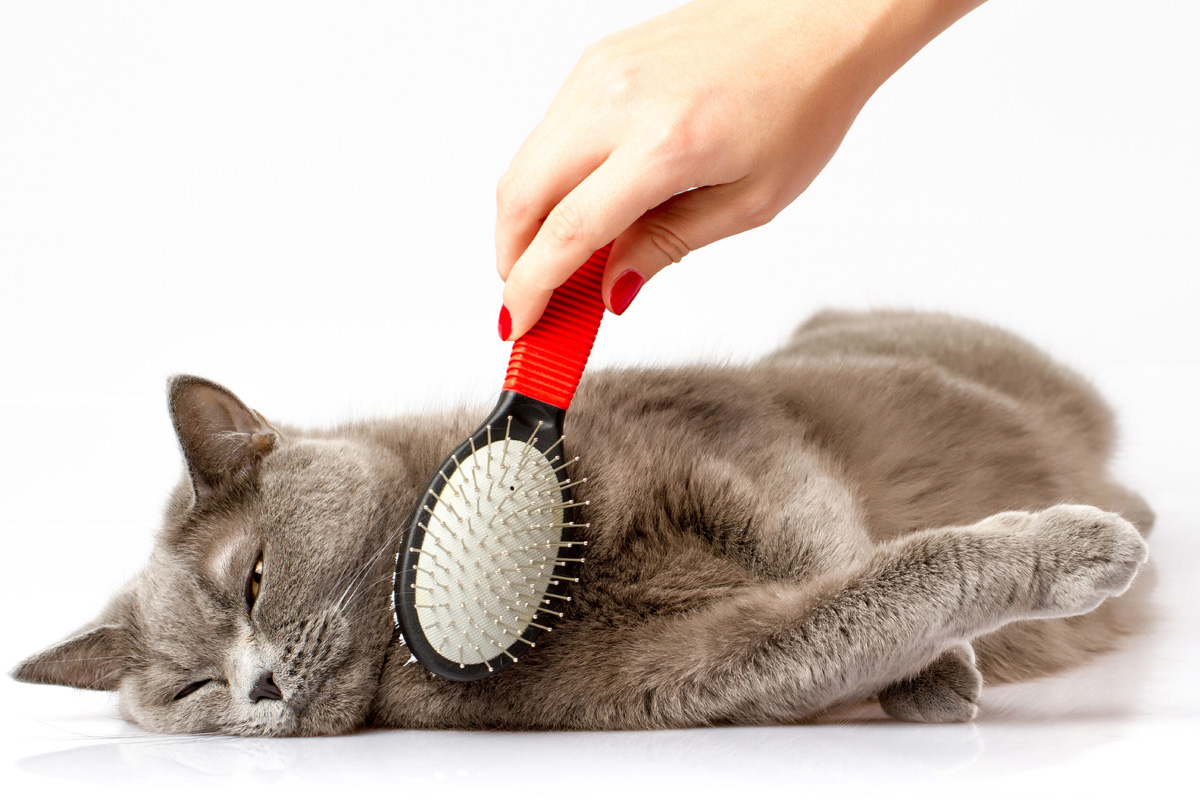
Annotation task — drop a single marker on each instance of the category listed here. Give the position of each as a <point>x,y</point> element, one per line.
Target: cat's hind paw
<point>947,690</point>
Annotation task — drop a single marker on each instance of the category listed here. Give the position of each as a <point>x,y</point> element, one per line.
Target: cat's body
<point>875,510</point>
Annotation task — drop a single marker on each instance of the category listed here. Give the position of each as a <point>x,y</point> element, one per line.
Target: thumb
<point>665,234</point>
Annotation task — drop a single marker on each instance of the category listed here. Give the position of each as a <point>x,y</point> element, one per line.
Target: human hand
<point>693,126</point>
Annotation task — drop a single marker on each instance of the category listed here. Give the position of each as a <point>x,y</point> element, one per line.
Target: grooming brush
<point>493,545</point>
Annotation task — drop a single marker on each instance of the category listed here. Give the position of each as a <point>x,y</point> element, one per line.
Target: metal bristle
<point>495,537</point>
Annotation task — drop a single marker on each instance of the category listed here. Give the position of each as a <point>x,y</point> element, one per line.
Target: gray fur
<point>891,506</point>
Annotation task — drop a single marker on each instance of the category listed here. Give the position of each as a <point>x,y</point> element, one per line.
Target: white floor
<point>296,201</point>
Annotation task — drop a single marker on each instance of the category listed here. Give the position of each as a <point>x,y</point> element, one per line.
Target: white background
<point>296,200</point>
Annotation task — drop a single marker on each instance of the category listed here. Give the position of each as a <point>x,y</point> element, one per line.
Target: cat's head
<point>265,608</point>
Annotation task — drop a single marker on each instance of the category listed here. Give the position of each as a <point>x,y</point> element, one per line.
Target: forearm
<point>890,32</point>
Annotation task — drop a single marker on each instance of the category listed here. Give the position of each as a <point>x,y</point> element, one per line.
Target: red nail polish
<point>624,289</point>
<point>504,327</point>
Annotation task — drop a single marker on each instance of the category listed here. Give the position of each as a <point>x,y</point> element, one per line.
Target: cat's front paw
<point>945,691</point>
<point>1083,556</point>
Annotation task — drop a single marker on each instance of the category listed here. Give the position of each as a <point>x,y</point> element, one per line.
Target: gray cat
<point>893,506</point>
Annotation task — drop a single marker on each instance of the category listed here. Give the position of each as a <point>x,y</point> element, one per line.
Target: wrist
<point>896,30</point>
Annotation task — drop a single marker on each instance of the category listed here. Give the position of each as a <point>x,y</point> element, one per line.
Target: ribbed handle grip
<point>547,362</point>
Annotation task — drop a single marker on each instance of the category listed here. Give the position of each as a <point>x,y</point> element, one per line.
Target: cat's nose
<point>265,688</point>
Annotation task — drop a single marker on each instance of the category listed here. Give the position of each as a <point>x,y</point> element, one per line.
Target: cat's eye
<point>254,582</point>
<point>191,687</point>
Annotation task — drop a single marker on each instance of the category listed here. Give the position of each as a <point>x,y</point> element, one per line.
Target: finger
<point>591,215</point>
<point>667,233</point>
<point>552,161</point>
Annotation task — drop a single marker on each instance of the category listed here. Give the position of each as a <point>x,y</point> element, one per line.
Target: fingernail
<point>504,326</point>
<point>624,289</point>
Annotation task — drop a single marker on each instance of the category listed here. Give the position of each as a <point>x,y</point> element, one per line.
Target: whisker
<point>356,583</point>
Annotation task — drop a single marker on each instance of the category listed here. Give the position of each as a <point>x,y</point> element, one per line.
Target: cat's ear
<point>95,657</point>
<point>223,440</point>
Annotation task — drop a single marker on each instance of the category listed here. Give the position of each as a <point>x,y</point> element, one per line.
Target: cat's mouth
<point>333,701</point>
<point>305,697</point>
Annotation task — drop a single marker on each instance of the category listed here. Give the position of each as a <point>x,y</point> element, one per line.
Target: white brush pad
<point>489,551</point>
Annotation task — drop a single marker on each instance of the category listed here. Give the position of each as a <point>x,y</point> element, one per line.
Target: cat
<point>894,506</point>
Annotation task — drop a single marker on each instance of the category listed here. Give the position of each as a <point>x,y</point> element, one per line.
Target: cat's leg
<point>946,690</point>
<point>781,652</point>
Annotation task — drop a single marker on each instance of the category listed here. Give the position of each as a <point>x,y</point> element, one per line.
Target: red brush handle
<point>547,362</point>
